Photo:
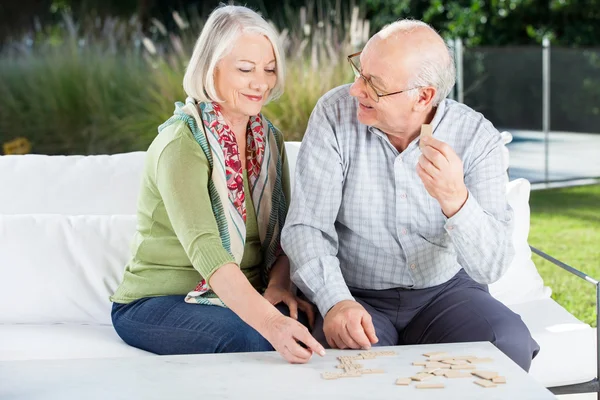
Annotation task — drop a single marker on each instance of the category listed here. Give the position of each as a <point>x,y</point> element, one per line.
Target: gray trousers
<point>460,310</point>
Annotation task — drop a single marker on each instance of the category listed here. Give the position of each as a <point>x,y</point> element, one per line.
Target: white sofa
<point>65,229</point>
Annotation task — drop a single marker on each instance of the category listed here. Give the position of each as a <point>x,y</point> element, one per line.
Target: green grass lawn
<point>565,223</point>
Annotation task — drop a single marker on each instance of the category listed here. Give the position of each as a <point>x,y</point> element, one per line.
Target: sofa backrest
<point>66,224</point>
<point>85,185</point>
<point>70,185</point>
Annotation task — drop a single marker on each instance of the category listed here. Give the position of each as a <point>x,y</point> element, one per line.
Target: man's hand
<point>441,171</point>
<point>348,325</point>
<point>276,294</point>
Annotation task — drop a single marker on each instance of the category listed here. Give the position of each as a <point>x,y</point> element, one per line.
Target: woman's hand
<point>284,334</point>
<point>276,294</point>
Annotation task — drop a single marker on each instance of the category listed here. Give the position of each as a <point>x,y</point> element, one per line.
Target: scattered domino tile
<point>484,383</point>
<point>384,353</point>
<point>453,373</point>
<point>441,372</point>
<point>421,377</point>
<point>489,375</point>
<point>454,362</point>
<point>330,375</point>
<point>462,366</point>
<point>371,371</point>
<point>459,362</point>
<point>438,358</point>
<point>431,370</point>
<point>349,366</point>
<point>350,374</point>
<point>426,130</point>
<point>480,360</point>
<point>463,357</point>
<point>435,353</point>
<point>420,363</point>
<point>430,386</point>
<point>435,364</point>
<point>403,381</point>
<point>368,355</point>
<point>499,379</point>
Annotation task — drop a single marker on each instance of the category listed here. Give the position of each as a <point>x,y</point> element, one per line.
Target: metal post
<point>546,104</point>
<point>458,53</point>
<point>450,46</point>
<point>598,335</point>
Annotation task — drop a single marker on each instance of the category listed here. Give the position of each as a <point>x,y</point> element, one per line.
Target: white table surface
<point>256,376</point>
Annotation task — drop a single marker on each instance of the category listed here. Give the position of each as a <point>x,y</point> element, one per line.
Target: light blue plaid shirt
<point>361,217</point>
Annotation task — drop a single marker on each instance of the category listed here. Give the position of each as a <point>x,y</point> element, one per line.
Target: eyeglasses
<point>371,91</point>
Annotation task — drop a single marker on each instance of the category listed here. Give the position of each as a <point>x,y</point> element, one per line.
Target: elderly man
<point>395,237</point>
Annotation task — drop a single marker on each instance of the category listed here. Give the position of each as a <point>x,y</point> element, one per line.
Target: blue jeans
<point>168,325</point>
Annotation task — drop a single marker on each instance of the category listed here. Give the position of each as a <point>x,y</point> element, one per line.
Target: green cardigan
<point>177,242</point>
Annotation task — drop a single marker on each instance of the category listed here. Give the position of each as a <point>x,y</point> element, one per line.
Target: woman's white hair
<point>223,27</point>
<point>437,70</point>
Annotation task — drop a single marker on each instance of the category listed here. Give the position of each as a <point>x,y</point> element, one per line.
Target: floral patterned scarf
<point>226,186</point>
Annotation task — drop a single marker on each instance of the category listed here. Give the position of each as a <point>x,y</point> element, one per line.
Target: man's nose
<point>358,89</point>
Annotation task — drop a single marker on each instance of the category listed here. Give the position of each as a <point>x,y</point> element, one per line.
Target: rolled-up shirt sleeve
<point>309,237</point>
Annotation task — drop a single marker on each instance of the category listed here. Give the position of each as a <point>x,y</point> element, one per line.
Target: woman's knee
<point>175,340</point>
<point>197,329</point>
<point>242,340</point>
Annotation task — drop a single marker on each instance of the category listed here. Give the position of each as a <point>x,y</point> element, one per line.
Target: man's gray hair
<point>223,27</point>
<point>438,72</point>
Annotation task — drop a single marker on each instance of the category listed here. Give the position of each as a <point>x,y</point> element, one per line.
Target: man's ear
<point>425,98</point>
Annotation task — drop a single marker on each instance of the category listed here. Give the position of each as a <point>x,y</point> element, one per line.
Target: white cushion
<point>58,268</point>
<point>72,185</point>
<point>50,248</point>
<point>567,346</point>
<point>62,341</point>
<point>506,139</point>
<point>62,268</point>
<point>291,150</point>
<point>521,282</point>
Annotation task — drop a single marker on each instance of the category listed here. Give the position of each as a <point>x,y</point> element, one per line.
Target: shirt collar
<point>439,114</point>
<point>437,118</point>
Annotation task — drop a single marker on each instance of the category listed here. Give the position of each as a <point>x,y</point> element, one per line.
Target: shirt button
<point>413,266</point>
<point>400,159</point>
<point>403,196</point>
<point>450,227</point>
<point>404,231</point>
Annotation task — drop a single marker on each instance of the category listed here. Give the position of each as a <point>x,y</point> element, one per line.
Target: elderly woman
<point>211,208</point>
